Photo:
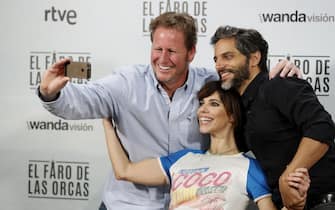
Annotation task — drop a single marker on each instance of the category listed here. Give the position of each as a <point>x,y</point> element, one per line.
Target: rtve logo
<point>56,15</point>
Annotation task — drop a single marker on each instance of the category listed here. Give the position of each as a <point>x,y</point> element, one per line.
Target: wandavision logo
<point>59,125</point>
<point>39,61</point>
<point>296,17</point>
<point>58,179</point>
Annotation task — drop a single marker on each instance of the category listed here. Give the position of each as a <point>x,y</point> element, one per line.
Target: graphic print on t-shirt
<point>199,187</point>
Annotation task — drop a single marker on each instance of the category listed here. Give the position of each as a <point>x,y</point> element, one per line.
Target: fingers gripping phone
<point>81,70</point>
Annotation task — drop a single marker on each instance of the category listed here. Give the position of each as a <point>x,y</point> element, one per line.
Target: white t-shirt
<point>200,180</point>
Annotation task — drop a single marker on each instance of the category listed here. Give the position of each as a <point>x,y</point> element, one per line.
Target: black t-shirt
<point>279,112</point>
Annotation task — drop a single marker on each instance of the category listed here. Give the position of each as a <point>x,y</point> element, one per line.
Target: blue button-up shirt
<point>149,123</point>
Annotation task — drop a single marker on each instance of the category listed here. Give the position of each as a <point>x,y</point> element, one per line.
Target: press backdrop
<point>50,163</point>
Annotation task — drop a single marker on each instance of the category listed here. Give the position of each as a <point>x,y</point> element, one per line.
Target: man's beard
<point>240,74</point>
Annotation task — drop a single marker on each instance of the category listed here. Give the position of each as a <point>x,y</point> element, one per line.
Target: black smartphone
<point>81,70</point>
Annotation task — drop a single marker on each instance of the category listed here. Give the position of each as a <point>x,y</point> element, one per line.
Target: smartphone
<point>81,70</point>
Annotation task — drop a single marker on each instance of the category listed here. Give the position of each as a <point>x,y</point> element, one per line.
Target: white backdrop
<point>50,163</point>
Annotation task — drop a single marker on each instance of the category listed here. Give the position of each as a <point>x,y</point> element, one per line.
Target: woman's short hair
<point>232,102</point>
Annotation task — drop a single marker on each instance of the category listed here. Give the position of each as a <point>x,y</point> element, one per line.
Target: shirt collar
<point>185,85</point>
